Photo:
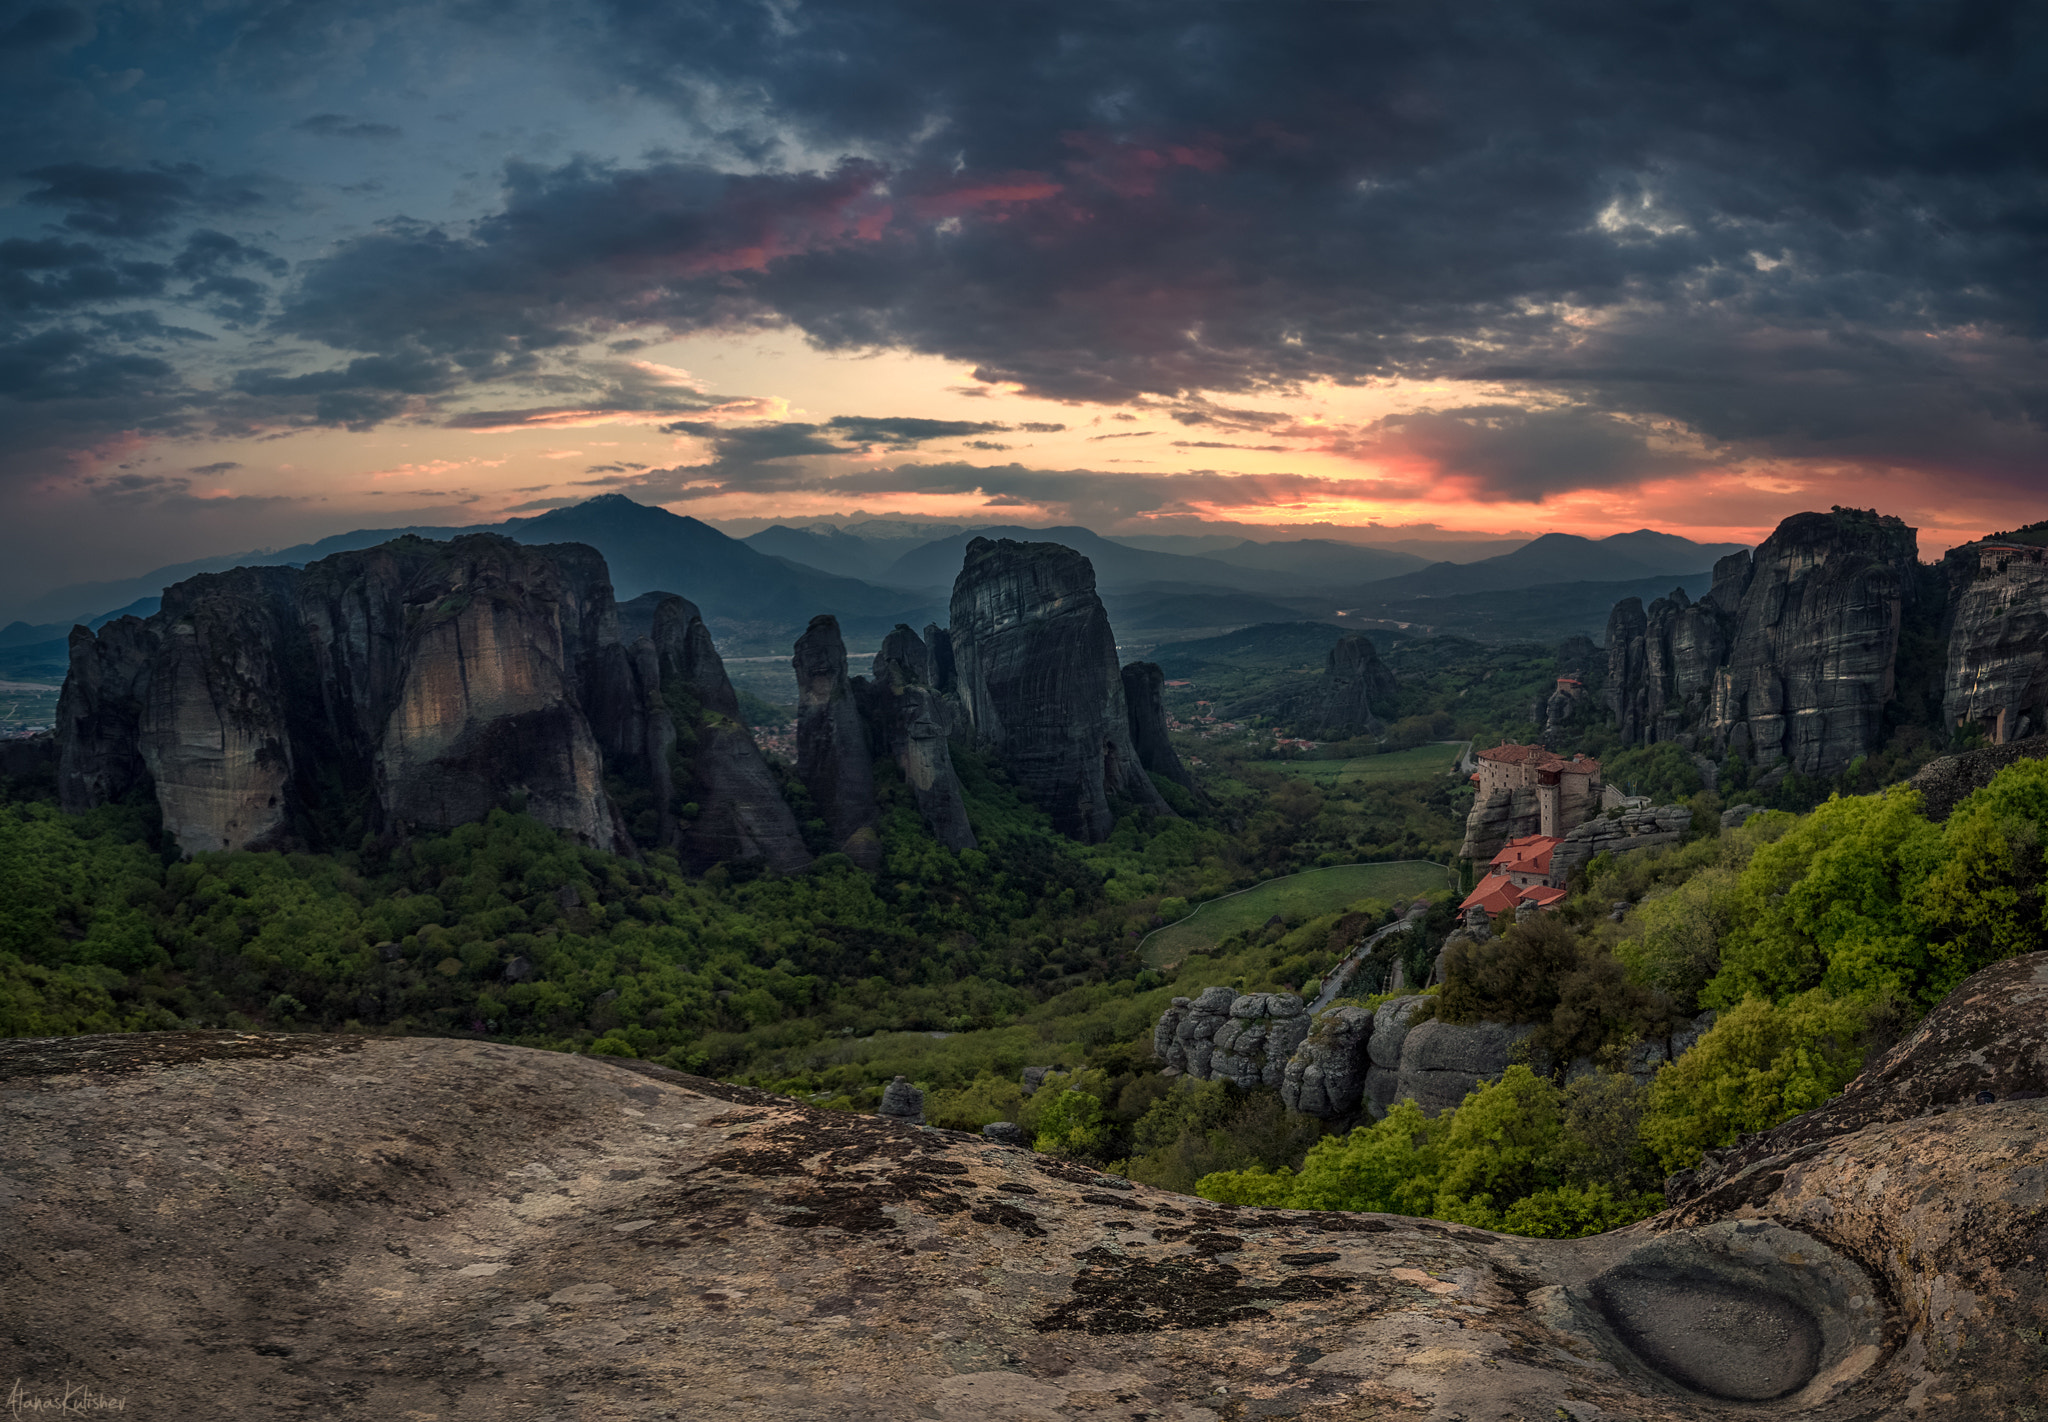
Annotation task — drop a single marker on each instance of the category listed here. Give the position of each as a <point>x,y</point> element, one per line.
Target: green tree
<point>1072,1124</point>
<point>1759,1064</point>
<point>1983,901</point>
<point>1830,904</point>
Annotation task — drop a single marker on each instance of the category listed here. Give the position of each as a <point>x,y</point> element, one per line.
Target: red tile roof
<point>1497,893</point>
<point>1494,894</point>
<point>1541,758</point>
<point>1528,855</point>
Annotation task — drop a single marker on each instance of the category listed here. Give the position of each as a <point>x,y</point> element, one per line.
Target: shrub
<point>1542,971</point>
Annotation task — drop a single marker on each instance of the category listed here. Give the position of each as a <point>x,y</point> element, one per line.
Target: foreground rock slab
<point>223,1225</point>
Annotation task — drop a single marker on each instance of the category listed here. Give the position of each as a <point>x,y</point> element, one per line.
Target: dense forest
<point>1818,932</point>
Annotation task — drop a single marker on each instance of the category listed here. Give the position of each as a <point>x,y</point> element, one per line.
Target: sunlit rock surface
<point>218,1225</point>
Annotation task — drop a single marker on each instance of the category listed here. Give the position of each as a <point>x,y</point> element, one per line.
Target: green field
<point>1417,764</point>
<point>1305,895</point>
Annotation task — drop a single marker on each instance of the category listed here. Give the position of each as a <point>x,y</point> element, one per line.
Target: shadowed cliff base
<point>218,1223</point>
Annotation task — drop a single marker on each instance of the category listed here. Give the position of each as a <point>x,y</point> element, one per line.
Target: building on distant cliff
<point>1525,790</point>
<point>1997,679</point>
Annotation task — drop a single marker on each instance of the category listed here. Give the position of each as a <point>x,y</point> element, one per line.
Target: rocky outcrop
<point>1662,663</point>
<point>911,720</point>
<point>1614,833</point>
<point>1347,700</point>
<point>902,1101</point>
<point>183,1193</point>
<point>1791,657</point>
<point>487,697</point>
<point>1187,1030</point>
<point>1145,699</point>
<point>1509,812</point>
<point>1442,1063</point>
<point>1038,682</point>
<point>418,685</point>
<point>1326,1074</point>
<point>1945,782</point>
<point>1252,1047</point>
<point>832,754</point>
<point>99,714</point>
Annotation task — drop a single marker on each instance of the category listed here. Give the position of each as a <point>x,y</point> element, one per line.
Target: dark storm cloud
<point>45,25</point>
<point>749,446</point>
<point>62,363</point>
<point>361,395</point>
<point>136,327</point>
<point>1082,495</point>
<point>222,467</point>
<point>51,274</point>
<point>746,449</point>
<point>1719,214</point>
<point>1805,232</point>
<point>342,126</point>
<point>133,202</point>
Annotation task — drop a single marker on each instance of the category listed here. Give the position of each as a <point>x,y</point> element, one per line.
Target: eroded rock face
<point>1145,699</point>
<point>832,754</point>
<point>1945,782</point>
<point>99,713</point>
<point>1252,1046</point>
<point>1038,680</point>
<point>1792,655</point>
<point>434,681</point>
<point>1642,828</point>
<point>214,730</point>
<point>1989,1037</point>
<point>912,721</point>
<point>264,1217</point>
<point>1326,1075</point>
<point>487,700</point>
<point>1442,1063</point>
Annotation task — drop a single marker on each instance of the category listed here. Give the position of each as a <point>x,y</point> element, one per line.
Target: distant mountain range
<point>742,591</point>
<point>1558,558</point>
<point>757,593</point>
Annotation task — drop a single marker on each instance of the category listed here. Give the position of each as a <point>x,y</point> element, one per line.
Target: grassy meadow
<point>1309,894</point>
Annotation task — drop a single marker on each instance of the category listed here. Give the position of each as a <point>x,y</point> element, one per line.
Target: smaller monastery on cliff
<point>1524,872</point>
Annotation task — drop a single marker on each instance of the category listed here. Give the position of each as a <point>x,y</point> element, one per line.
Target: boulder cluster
<point>1341,1062</point>
<point>1226,1036</point>
<point>1618,832</point>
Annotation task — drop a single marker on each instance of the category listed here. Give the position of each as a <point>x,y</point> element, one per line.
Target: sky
<point>274,270</point>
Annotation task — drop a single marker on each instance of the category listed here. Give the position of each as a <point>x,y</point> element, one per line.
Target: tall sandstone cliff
<point>832,753</point>
<point>1036,674</point>
<point>1792,655</point>
<point>415,684</point>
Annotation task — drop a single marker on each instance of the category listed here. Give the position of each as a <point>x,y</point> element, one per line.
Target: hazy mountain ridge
<point>1558,558</point>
